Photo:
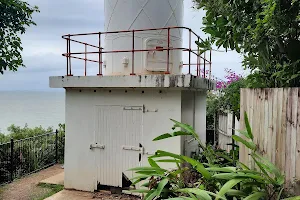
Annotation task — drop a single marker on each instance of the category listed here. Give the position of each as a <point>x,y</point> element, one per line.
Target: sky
<point>43,44</point>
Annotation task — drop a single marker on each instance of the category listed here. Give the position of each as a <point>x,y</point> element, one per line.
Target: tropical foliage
<point>15,17</point>
<point>18,132</point>
<point>226,98</point>
<point>266,32</point>
<point>26,150</point>
<point>230,180</point>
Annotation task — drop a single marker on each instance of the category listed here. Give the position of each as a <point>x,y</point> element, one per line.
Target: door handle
<point>97,146</point>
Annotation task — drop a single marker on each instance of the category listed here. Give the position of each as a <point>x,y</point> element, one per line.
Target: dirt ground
<point>26,188</point>
<point>102,196</point>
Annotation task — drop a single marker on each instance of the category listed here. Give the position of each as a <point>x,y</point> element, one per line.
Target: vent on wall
<point>157,60</point>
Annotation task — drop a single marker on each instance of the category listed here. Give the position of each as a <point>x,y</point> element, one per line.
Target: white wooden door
<point>119,131</point>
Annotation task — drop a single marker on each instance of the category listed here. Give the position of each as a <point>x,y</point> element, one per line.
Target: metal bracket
<point>97,146</point>
<point>132,148</point>
<point>155,110</point>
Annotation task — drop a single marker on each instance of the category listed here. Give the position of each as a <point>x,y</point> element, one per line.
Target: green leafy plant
<point>15,17</point>
<point>265,32</point>
<point>234,180</point>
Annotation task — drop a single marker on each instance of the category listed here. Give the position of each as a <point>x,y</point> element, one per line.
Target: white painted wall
<point>200,115</point>
<point>80,164</point>
<point>193,113</point>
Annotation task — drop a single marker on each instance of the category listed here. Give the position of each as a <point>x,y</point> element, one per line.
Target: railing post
<point>56,146</point>
<point>67,56</point>
<point>100,55</point>
<point>190,49</point>
<point>198,62</point>
<point>168,59</point>
<point>210,65</point>
<point>85,49</point>
<point>233,133</point>
<point>204,64</point>
<point>69,50</point>
<point>11,160</point>
<point>132,62</point>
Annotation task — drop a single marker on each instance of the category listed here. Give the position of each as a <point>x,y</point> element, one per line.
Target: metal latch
<point>97,146</point>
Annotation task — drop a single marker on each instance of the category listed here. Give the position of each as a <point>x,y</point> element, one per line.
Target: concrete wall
<point>80,164</point>
<point>193,112</point>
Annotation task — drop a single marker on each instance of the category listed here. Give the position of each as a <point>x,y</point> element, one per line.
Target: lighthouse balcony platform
<point>187,82</point>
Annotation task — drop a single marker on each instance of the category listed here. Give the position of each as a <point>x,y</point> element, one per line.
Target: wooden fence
<point>274,116</point>
<point>226,124</point>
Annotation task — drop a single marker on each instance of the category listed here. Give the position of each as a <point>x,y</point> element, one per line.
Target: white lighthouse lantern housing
<point>143,15</point>
<point>131,86</point>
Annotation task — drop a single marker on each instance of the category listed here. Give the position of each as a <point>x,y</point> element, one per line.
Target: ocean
<point>46,109</point>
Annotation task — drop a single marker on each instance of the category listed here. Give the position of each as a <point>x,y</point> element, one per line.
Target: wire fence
<point>22,157</point>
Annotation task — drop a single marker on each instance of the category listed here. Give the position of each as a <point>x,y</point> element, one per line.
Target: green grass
<point>2,188</point>
<point>53,189</point>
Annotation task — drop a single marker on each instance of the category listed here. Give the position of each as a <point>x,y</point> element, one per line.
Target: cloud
<point>43,44</point>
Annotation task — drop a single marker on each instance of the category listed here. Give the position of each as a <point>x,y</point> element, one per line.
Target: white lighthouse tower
<point>137,15</point>
<point>113,115</point>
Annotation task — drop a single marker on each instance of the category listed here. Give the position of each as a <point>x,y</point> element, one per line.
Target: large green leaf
<point>227,186</point>
<point>198,166</point>
<point>169,161</point>
<point>221,169</point>
<point>243,166</point>
<point>161,153</point>
<point>161,186</point>
<point>162,137</point>
<point>270,166</point>
<point>197,190</point>
<point>247,124</point>
<point>259,164</point>
<point>185,127</point>
<point>153,163</point>
<point>252,176</point>
<point>151,195</point>
<point>249,144</point>
<point>169,135</point>
<point>201,193</point>
<point>147,169</point>
<point>224,176</point>
<point>244,133</point>
<point>256,196</point>
<point>236,193</point>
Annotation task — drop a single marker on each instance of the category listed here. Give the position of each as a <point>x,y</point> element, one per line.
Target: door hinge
<point>133,108</point>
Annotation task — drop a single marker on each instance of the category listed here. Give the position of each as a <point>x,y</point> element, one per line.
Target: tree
<point>266,32</point>
<point>15,17</point>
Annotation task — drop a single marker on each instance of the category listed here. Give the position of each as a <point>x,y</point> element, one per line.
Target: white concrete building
<point>112,118</point>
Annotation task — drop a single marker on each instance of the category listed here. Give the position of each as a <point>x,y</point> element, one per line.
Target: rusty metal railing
<point>202,59</point>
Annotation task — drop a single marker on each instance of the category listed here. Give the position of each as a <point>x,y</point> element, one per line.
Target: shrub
<point>219,180</point>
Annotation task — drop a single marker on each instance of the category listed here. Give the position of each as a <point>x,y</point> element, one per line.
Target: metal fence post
<point>233,133</point>
<point>56,146</point>
<point>11,159</point>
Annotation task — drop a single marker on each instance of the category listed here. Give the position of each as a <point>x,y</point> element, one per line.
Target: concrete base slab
<point>71,194</point>
<point>79,195</point>
<point>55,180</point>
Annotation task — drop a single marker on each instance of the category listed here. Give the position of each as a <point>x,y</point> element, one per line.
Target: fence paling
<point>274,115</point>
<point>26,156</point>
